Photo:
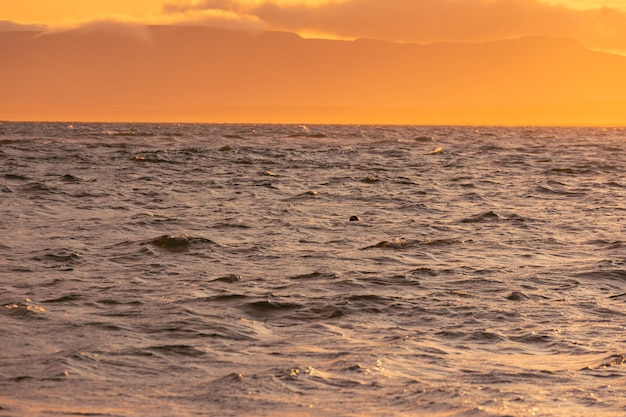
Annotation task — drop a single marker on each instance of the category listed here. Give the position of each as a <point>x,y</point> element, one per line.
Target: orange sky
<point>507,97</point>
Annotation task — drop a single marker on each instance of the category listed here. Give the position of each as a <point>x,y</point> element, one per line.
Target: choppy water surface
<point>191,270</point>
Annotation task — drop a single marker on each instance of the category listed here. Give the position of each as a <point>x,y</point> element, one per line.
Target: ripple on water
<point>402,243</point>
<point>62,257</point>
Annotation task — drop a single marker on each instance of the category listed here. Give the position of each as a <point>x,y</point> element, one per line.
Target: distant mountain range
<point>183,73</point>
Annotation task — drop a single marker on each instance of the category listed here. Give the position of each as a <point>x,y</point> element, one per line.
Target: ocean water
<point>213,270</point>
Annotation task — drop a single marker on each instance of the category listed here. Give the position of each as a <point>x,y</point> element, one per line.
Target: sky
<point>571,71</point>
<point>597,24</point>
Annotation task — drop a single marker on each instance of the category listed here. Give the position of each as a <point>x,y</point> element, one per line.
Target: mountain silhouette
<point>186,73</point>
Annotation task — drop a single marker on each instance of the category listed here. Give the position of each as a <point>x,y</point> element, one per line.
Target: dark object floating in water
<point>355,219</point>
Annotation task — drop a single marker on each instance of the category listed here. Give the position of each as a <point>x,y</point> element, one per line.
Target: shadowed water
<point>161,270</point>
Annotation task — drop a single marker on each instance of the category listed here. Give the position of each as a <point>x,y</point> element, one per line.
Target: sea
<point>320,270</point>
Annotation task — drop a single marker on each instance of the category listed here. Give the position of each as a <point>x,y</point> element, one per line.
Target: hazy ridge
<point>205,74</point>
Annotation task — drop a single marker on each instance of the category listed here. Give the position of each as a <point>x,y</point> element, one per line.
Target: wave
<point>232,278</point>
<point>547,190</point>
<point>518,296</point>
<point>179,243</point>
<point>424,139</point>
<point>71,179</point>
<point>308,135</point>
<point>131,133</point>
<point>532,338</point>
<point>64,299</point>
<point>571,170</point>
<point>37,188</point>
<point>24,310</point>
<point>402,243</point>
<point>486,217</point>
<point>176,350</point>
<point>264,307</point>
<point>62,257</point>
<point>608,244</point>
<point>611,274</point>
<point>615,184</point>
<point>491,217</point>
<point>154,157</point>
<point>316,276</point>
<point>17,177</point>
<point>612,361</point>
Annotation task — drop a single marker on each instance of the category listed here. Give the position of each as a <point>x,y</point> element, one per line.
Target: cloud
<point>425,21</point>
<point>6,25</point>
<point>114,26</point>
<point>137,28</point>
<point>218,18</point>
<point>188,5</point>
